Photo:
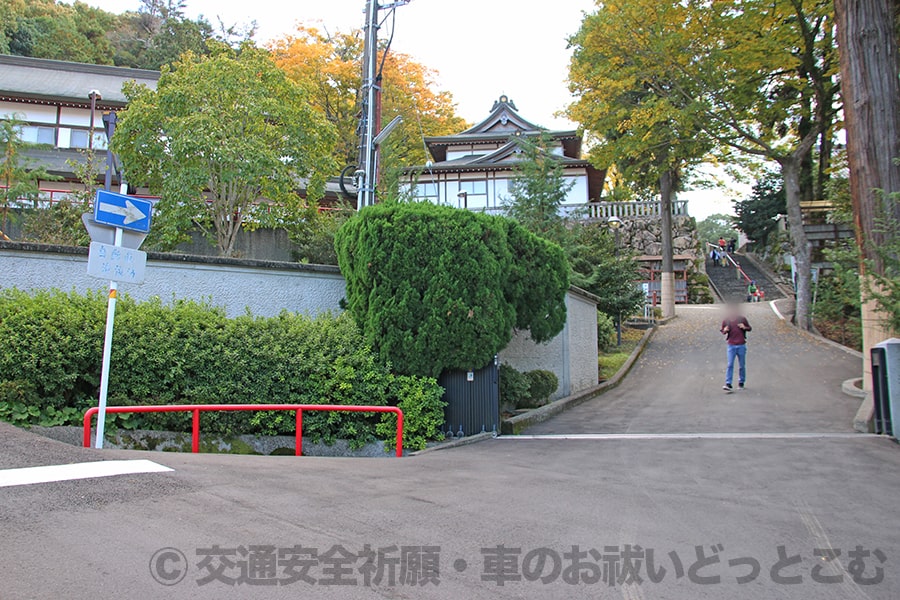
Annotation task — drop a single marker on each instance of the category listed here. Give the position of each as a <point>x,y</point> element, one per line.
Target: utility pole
<point>366,174</point>
<point>370,119</point>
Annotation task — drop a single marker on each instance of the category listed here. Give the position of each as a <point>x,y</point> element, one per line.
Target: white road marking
<point>687,436</point>
<point>775,309</point>
<point>103,468</point>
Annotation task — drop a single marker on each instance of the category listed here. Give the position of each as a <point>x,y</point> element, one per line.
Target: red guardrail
<point>196,409</point>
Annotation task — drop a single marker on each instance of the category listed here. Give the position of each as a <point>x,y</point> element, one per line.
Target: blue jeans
<point>739,351</point>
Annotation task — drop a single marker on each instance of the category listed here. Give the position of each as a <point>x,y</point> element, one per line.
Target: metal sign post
<point>121,261</point>
<point>107,349</point>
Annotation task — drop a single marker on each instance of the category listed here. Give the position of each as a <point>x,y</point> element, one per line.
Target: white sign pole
<point>107,350</point>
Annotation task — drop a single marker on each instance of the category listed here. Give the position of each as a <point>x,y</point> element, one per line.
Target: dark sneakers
<point>727,387</point>
<point>741,385</point>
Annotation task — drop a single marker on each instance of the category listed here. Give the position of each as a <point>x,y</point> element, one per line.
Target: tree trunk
<point>871,94</point>
<point>790,171</point>
<point>666,190</point>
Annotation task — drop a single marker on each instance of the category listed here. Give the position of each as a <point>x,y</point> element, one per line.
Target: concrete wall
<point>581,328</point>
<point>571,355</point>
<point>265,288</point>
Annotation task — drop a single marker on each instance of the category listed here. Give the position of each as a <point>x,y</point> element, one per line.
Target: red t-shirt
<point>735,335</point>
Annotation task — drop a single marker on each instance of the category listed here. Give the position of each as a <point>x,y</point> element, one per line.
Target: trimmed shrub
<point>191,353</point>
<point>541,385</point>
<point>525,390</point>
<point>513,387</point>
<point>606,332</point>
<point>435,288</point>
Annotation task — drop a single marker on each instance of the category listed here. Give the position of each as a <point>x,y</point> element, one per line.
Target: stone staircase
<point>731,285</point>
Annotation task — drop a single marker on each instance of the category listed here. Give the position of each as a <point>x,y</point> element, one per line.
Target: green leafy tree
<point>716,226</point>
<point>312,230</point>
<point>56,30</point>
<point>436,288</point>
<point>756,215</point>
<point>218,135</point>
<point>599,269</point>
<point>882,270</point>
<point>19,176</point>
<point>624,100</point>
<point>538,190</point>
<point>61,223</point>
<point>157,34</point>
<point>836,312</point>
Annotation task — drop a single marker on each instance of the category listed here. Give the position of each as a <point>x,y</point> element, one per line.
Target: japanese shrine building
<point>473,169</point>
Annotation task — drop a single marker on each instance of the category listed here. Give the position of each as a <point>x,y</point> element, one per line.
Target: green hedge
<point>191,353</point>
<point>436,288</point>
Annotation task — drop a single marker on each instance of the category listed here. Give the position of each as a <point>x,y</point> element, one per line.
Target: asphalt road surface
<point>792,515</point>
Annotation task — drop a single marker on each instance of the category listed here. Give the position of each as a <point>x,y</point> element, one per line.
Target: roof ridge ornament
<point>504,101</point>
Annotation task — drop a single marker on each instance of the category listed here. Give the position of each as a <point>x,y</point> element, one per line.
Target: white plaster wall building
<point>473,169</point>
<point>52,99</point>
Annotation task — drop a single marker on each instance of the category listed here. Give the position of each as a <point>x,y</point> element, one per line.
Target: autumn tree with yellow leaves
<point>753,77</point>
<point>328,66</point>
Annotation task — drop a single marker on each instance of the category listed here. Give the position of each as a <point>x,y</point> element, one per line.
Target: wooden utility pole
<point>871,95</point>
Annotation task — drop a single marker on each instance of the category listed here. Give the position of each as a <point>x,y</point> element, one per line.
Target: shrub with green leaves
<point>606,332</point>
<point>435,288</point>
<point>513,387</point>
<point>191,353</point>
<point>541,385</point>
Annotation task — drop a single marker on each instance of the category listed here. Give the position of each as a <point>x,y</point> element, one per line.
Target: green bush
<point>436,288</point>
<point>541,385</point>
<point>698,288</point>
<point>51,345</point>
<point>525,390</point>
<point>190,353</point>
<point>513,387</point>
<point>606,332</point>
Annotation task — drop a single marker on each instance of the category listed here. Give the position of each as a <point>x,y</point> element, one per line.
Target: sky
<point>480,49</point>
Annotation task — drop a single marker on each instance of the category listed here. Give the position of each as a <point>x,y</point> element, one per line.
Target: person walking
<point>751,291</point>
<point>735,327</point>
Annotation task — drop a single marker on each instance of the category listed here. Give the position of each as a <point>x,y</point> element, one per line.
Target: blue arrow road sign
<point>127,212</point>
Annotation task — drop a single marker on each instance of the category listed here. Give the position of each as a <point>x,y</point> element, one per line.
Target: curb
<point>865,416</point>
<point>815,336</point>
<point>465,441</point>
<point>516,424</point>
<point>864,420</point>
<point>850,388</point>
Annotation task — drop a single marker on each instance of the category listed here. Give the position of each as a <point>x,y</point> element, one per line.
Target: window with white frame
<point>475,194</point>
<point>35,134</point>
<point>427,191</point>
<point>79,138</point>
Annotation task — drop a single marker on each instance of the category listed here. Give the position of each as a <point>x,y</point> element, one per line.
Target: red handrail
<point>732,261</point>
<point>196,409</point>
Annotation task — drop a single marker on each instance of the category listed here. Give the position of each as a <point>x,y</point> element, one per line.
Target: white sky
<point>480,48</point>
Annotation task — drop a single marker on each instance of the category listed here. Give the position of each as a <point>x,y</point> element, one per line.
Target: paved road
<point>95,538</point>
<point>793,383</point>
